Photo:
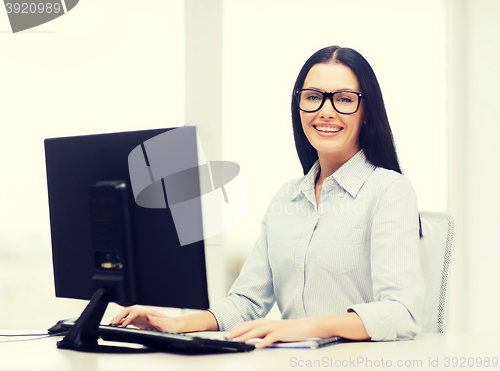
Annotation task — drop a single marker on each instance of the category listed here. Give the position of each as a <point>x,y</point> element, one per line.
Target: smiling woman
<point>340,69</point>
<point>338,250</point>
<point>341,118</point>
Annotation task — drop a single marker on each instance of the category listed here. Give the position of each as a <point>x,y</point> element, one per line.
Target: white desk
<point>426,352</point>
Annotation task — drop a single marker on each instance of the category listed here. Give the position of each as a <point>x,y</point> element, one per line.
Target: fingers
<point>129,319</point>
<point>272,331</point>
<point>117,322</point>
<point>136,316</point>
<point>243,328</point>
<point>258,332</point>
<point>165,324</point>
<point>120,317</point>
<point>267,340</point>
<point>255,329</point>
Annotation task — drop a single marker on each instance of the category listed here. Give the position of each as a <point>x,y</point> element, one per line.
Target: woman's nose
<point>327,111</point>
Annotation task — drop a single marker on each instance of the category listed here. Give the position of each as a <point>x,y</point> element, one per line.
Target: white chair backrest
<point>435,254</point>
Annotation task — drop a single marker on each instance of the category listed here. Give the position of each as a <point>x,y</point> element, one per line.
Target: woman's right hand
<point>145,318</point>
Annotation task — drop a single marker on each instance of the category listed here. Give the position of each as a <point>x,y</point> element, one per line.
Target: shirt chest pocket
<point>340,251</point>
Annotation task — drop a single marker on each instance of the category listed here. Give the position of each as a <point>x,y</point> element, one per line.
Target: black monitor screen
<point>162,272</point>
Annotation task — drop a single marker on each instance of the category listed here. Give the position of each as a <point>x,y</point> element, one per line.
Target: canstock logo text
<point>25,14</point>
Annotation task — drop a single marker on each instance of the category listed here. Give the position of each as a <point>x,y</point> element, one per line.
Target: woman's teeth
<point>327,129</point>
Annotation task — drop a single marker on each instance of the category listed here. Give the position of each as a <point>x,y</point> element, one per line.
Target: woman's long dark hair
<point>375,137</point>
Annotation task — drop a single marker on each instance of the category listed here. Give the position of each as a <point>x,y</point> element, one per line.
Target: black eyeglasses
<point>344,101</point>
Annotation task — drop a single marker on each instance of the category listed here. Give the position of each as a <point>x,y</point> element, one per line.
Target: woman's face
<point>318,126</point>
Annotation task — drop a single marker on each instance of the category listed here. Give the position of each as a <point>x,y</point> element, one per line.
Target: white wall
<point>113,65</point>
<point>474,158</point>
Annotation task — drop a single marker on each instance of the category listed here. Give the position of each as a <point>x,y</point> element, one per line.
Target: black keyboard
<point>164,341</point>
<point>168,341</point>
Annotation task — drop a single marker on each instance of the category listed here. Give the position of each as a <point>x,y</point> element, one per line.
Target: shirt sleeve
<point>252,294</point>
<point>398,285</point>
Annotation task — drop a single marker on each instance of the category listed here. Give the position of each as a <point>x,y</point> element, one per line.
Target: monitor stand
<point>83,335</point>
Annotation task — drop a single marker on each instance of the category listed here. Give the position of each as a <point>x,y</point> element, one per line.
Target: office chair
<point>435,255</point>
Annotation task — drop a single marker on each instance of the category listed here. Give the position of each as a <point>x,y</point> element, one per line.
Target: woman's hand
<point>272,331</point>
<point>145,318</point>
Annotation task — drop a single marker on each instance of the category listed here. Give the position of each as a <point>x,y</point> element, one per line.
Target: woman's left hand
<point>272,331</point>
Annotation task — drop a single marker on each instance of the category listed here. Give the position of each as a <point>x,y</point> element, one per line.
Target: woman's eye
<point>313,97</point>
<point>344,100</point>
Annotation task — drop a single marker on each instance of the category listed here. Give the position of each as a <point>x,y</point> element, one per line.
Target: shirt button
<point>341,194</point>
<point>297,299</point>
<point>300,268</point>
<point>321,212</point>
<point>330,182</point>
<point>306,238</point>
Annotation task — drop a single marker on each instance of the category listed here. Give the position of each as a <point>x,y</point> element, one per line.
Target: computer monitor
<point>107,248</point>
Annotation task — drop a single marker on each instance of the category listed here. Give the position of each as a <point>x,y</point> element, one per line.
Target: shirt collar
<point>351,176</point>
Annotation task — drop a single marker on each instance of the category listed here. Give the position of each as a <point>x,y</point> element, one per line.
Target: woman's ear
<point>365,118</point>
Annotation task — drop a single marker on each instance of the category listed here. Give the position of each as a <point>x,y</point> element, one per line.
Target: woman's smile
<point>328,130</point>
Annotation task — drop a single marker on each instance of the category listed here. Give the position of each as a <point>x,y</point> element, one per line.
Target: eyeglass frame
<point>325,96</point>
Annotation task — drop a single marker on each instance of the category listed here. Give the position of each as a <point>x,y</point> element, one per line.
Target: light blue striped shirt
<point>357,251</point>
